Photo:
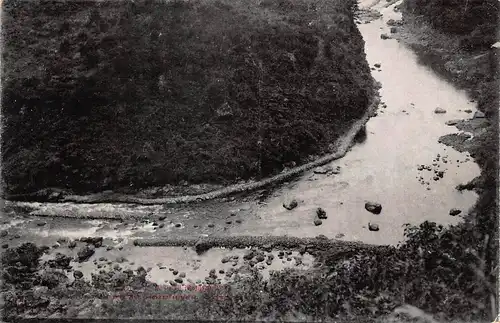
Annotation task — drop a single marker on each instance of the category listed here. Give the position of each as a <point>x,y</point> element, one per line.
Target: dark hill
<point>107,95</point>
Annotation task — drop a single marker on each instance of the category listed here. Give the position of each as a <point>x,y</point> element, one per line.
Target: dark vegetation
<point>112,95</point>
<point>476,21</point>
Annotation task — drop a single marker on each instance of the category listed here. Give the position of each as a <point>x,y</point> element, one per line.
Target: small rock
<point>454,212</point>
<point>96,241</point>
<point>373,227</point>
<point>224,260</point>
<point>321,214</point>
<point>290,205</point>
<point>182,275</point>
<point>41,223</point>
<point>378,65</point>
<point>5,246</point>
<point>211,225</point>
<point>249,255</point>
<point>267,247</point>
<point>323,170</point>
<point>468,111</point>
<point>229,222</point>
<point>221,271</point>
<point>260,258</point>
<point>178,225</point>
<point>339,236</point>
<point>173,283</point>
<point>161,225</point>
<point>77,274</point>
<point>85,253</point>
<point>394,30</point>
<point>175,272</point>
<point>373,207</point>
<point>121,260</point>
<point>451,122</point>
<point>439,110</point>
<point>3,233</point>
<point>320,237</point>
<point>317,222</point>
<point>479,114</point>
<point>384,36</point>
<point>238,221</point>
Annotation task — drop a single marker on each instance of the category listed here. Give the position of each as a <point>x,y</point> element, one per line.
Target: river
<point>386,167</point>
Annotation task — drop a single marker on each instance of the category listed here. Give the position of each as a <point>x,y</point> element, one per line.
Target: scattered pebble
<point>373,227</point>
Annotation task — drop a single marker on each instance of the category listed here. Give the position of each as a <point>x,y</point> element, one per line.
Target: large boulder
<point>373,207</point>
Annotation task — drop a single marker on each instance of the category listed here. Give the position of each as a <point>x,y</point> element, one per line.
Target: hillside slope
<point>105,95</point>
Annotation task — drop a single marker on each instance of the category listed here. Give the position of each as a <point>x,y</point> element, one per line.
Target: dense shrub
<point>110,94</point>
<point>475,20</point>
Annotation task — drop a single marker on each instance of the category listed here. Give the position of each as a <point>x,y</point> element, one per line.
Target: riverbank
<point>153,196</point>
<point>474,69</point>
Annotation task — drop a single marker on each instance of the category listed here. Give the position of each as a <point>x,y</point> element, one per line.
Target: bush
<point>475,20</point>
<point>107,95</point>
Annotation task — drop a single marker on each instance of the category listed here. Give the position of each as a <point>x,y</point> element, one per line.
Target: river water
<point>384,168</point>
